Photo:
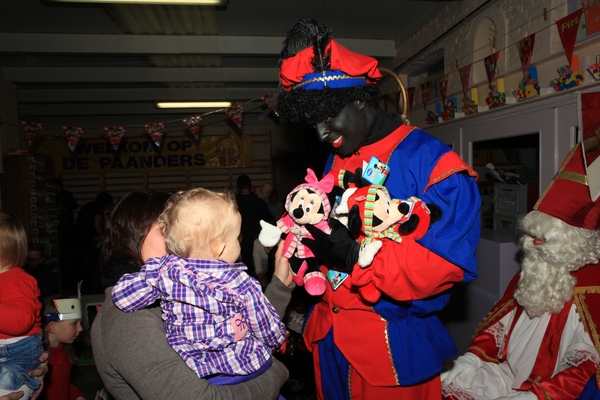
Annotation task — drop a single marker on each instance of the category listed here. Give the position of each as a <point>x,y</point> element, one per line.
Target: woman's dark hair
<point>313,106</point>
<point>127,227</point>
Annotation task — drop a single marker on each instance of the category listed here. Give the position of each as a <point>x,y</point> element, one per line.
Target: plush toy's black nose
<point>403,208</point>
<point>298,213</point>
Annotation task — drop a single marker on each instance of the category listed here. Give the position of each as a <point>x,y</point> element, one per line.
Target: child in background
<point>20,322</point>
<point>216,316</point>
<point>62,324</point>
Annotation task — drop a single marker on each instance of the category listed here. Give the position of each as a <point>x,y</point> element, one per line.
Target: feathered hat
<point>568,197</point>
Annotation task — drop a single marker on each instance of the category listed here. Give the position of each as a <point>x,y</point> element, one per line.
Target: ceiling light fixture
<point>194,104</point>
<point>177,2</point>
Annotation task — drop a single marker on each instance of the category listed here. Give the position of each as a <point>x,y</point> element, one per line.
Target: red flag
<point>193,124</point>
<point>465,73</point>
<point>30,129</point>
<point>114,134</point>
<point>410,93</point>
<point>72,135</point>
<point>567,29</point>
<point>155,130</point>
<point>525,47</point>
<point>236,114</point>
<point>426,93</point>
<point>270,100</point>
<point>592,16</point>
<point>443,87</point>
<point>490,66</point>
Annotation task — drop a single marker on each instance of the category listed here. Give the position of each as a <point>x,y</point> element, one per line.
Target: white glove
<point>520,396</point>
<point>269,234</point>
<point>367,253</point>
<point>467,364</point>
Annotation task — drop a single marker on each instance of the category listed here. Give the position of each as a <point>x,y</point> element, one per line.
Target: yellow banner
<point>137,154</point>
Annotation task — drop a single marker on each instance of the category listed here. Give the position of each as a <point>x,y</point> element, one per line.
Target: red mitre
<point>568,197</point>
<point>294,69</point>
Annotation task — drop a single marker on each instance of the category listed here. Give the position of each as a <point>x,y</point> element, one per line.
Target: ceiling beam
<point>149,95</point>
<point>46,43</point>
<point>97,74</point>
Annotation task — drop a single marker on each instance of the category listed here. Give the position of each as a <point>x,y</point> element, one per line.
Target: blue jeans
<point>17,359</point>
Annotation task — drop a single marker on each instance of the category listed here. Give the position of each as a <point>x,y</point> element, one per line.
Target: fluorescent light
<point>179,2</point>
<point>194,104</point>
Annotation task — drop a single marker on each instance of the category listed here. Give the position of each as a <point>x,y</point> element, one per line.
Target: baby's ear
<point>217,247</point>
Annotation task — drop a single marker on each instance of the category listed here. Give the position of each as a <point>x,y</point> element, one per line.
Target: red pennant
<point>410,93</point>
<point>443,87</point>
<point>490,66</point>
<point>194,125</point>
<point>525,47</point>
<point>114,134</point>
<point>592,16</point>
<point>155,130</point>
<point>270,100</point>
<point>465,74</point>
<point>31,129</point>
<point>426,93</point>
<point>236,114</point>
<point>567,29</point>
<point>72,135</point>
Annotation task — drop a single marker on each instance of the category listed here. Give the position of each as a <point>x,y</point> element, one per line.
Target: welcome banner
<point>137,154</point>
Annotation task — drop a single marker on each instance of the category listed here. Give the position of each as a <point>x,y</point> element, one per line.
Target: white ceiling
<point>73,61</point>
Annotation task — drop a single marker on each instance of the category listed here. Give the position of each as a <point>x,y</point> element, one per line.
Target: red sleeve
<point>19,307</point>
<point>407,271</point>
<point>564,385</point>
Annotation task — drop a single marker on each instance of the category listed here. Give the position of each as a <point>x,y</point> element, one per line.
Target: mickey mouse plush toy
<point>378,221</point>
<point>306,204</point>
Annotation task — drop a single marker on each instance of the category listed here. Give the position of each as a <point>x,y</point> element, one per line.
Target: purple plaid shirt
<point>198,299</point>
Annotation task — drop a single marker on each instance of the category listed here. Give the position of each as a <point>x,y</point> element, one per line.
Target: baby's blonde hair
<point>13,241</point>
<point>195,218</point>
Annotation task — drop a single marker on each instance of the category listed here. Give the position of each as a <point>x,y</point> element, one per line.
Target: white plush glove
<point>467,364</point>
<point>269,234</point>
<point>520,396</point>
<point>367,253</point>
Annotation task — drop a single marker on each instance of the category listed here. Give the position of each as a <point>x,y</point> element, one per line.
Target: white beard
<point>543,286</point>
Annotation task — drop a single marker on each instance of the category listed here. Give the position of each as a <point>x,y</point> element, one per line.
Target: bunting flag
<point>465,74</point>
<point>490,66</point>
<point>271,101</point>
<point>525,47</point>
<point>592,16</point>
<point>155,130</point>
<point>410,93</point>
<point>567,29</point>
<point>114,134</point>
<point>194,125</point>
<point>31,129</point>
<point>236,114</point>
<point>443,81</point>
<point>426,93</point>
<point>72,135</point>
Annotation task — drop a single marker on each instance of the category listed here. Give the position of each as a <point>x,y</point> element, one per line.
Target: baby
<point>216,316</point>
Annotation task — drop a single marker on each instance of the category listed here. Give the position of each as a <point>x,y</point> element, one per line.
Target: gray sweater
<point>136,362</point>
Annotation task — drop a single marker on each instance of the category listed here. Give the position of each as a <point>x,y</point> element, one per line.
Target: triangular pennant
<point>31,129</point>
<point>236,114</point>
<point>465,74</point>
<point>490,66</point>
<point>194,125</point>
<point>72,135</point>
<point>114,134</point>
<point>567,29</point>
<point>525,47</point>
<point>443,81</point>
<point>155,130</point>
<point>410,93</point>
<point>426,93</point>
<point>270,100</point>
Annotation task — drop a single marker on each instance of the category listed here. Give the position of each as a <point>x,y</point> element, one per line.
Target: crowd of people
<point>195,307</point>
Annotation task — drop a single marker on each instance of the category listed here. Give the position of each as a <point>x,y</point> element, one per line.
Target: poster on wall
<point>138,154</point>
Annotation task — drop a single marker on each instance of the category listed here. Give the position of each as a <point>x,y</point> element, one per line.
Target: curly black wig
<point>314,106</point>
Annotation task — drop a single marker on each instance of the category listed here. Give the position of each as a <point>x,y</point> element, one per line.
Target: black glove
<point>338,250</point>
<point>436,212</point>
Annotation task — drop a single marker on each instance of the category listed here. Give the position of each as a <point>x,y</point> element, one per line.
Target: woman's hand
<point>12,396</point>
<point>282,266</point>
<point>39,372</point>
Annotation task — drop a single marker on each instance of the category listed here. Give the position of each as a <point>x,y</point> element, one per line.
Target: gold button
<point>335,309</point>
